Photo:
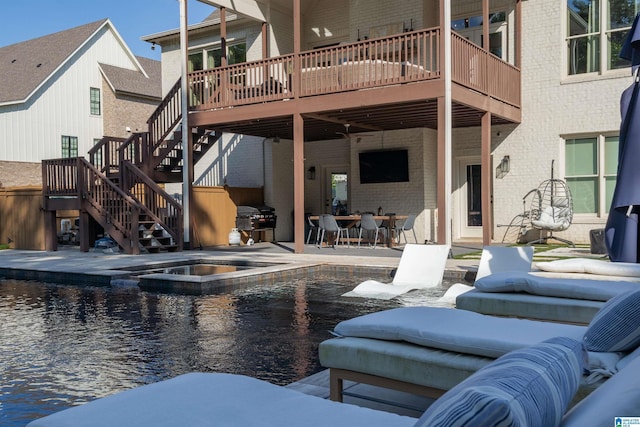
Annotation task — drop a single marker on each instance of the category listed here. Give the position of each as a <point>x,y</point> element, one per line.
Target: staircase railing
<point>111,207</point>
<point>159,206</point>
<point>105,155</point>
<point>167,116</point>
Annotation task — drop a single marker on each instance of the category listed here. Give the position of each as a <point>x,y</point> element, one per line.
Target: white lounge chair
<point>494,259</point>
<point>421,266</point>
<point>239,401</point>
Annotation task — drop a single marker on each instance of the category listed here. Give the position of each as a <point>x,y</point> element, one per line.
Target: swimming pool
<point>63,345</point>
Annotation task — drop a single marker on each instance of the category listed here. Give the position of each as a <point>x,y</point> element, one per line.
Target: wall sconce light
<point>311,173</point>
<point>503,167</point>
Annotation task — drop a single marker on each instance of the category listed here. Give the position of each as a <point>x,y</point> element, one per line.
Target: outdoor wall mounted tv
<point>384,166</point>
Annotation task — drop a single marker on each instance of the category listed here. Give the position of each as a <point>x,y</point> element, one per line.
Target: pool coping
<point>265,272</point>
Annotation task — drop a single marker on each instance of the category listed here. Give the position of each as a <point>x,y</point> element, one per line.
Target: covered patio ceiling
<point>327,125</point>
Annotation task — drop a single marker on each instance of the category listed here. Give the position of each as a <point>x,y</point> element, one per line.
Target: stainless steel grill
<point>256,219</point>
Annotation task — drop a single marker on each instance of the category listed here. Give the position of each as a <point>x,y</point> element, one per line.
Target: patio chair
<point>552,209</point>
<point>406,226</point>
<point>421,266</point>
<point>369,225</point>
<point>313,227</point>
<point>331,226</point>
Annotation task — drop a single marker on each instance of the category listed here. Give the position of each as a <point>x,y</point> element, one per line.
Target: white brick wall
<point>553,107</point>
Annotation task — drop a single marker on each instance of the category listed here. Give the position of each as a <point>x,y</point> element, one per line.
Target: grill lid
<point>245,210</point>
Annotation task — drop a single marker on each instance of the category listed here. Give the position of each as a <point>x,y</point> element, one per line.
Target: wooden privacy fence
<point>22,218</point>
<point>214,211</point>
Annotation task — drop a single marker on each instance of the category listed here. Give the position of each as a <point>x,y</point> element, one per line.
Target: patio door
<point>469,198</point>
<point>336,190</point>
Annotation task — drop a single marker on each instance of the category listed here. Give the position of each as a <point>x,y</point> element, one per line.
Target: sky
<point>22,20</point>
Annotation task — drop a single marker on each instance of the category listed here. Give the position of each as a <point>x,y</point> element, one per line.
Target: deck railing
<point>105,155</point>
<point>477,69</point>
<point>402,58</point>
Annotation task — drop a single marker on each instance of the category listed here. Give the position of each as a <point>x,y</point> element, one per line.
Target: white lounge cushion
<point>220,400</point>
<point>455,330</point>
<point>421,266</point>
<point>591,266</point>
<point>528,387</point>
<point>553,219</point>
<point>595,290</point>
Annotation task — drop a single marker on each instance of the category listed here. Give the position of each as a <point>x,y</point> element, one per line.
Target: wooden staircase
<point>118,188</point>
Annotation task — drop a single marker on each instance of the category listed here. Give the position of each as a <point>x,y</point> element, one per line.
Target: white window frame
<point>602,34</point>
<point>601,204</point>
<point>202,50</point>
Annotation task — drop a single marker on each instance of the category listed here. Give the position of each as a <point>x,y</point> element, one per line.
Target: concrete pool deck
<point>98,267</point>
<point>70,265</point>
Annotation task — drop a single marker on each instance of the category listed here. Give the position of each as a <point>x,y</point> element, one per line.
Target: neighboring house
<point>61,93</point>
<point>298,109</point>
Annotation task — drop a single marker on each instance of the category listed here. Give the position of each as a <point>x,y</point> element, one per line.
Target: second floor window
<point>596,30</point>
<point>69,146</point>
<point>94,99</point>
<point>207,58</point>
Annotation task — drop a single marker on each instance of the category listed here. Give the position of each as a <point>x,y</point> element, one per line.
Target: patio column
<point>444,129</point>
<point>486,179</point>
<point>298,141</point>
<point>486,44</point>
<point>223,36</point>
<point>186,134</point>
<point>298,183</point>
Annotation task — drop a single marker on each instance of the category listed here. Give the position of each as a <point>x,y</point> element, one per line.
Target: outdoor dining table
<point>349,221</point>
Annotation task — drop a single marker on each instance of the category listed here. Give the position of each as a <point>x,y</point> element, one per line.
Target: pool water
<point>199,269</point>
<point>65,345</point>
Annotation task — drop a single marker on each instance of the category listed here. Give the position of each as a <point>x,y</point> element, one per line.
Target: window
<point>590,170</point>
<point>208,58</point>
<point>69,146</point>
<point>471,29</point>
<point>97,158</point>
<point>596,30</point>
<point>94,97</point>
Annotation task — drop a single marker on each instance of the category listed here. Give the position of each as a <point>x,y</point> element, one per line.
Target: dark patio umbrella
<point>621,232</point>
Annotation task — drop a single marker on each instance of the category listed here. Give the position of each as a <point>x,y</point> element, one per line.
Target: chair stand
<point>551,236</point>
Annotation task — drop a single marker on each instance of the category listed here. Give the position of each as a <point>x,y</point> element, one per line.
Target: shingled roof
<point>133,82</point>
<point>27,65</point>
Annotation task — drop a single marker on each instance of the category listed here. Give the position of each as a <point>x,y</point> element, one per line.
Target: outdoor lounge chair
<point>428,350</point>
<point>421,266</point>
<point>571,290</point>
<point>493,259</point>
<point>551,368</point>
